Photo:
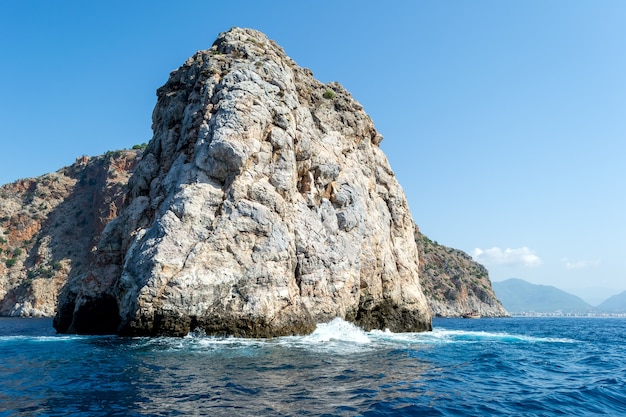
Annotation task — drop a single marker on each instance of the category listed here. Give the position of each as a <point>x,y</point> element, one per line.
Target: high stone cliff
<point>49,224</point>
<point>262,206</point>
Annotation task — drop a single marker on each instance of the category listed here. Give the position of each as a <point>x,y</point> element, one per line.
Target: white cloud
<point>512,257</point>
<point>580,264</point>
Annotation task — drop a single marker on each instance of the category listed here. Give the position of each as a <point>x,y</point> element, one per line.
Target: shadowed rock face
<point>49,224</point>
<point>261,206</point>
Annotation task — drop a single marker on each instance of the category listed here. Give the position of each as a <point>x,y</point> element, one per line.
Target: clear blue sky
<point>505,121</point>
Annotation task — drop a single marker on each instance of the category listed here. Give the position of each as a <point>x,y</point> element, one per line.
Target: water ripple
<point>532,367</point>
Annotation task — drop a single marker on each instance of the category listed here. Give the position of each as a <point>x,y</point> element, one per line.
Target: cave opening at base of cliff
<point>99,316</point>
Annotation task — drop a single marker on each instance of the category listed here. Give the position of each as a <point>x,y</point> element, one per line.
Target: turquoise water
<point>486,367</point>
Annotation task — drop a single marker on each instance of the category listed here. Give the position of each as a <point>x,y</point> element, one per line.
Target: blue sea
<point>485,367</point>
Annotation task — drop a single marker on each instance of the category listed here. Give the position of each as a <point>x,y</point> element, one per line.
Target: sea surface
<point>485,367</point>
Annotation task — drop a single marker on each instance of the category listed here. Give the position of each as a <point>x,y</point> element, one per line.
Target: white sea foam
<point>338,330</point>
<point>341,337</point>
<point>336,335</point>
<point>42,339</point>
<point>438,336</point>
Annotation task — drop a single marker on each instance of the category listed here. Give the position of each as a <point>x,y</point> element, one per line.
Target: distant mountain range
<point>519,296</point>
<point>593,295</point>
<point>615,304</point>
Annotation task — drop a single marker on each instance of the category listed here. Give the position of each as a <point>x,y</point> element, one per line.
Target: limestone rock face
<point>262,206</point>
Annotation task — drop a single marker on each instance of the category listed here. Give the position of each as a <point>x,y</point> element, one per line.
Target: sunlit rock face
<point>262,206</point>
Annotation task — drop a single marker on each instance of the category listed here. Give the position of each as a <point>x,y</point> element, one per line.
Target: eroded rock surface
<point>262,205</point>
<point>49,224</point>
<point>454,283</point>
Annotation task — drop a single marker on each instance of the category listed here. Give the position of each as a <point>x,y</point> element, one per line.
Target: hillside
<point>519,296</point>
<point>453,282</point>
<point>615,304</point>
<point>49,224</point>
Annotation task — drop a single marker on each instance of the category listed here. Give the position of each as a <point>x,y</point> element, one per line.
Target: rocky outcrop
<point>49,224</point>
<point>267,174</point>
<point>262,206</point>
<point>454,283</point>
